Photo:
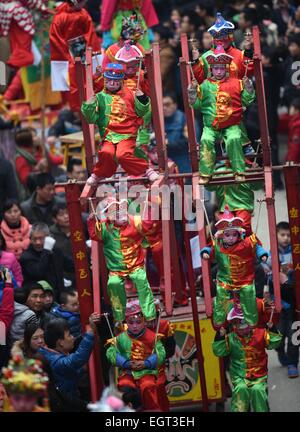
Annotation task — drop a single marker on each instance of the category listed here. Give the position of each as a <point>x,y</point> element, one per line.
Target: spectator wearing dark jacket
<point>43,261</point>
<point>69,311</point>
<point>67,368</point>
<point>8,186</point>
<point>38,207</point>
<point>22,316</point>
<point>61,232</point>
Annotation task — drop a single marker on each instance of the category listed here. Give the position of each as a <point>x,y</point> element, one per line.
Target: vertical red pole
<point>88,130</point>
<point>83,282</point>
<point>265,139</point>
<point>198,192</point>
<point>185,80</point>
<point>292,184</point>
<point>152,61</point>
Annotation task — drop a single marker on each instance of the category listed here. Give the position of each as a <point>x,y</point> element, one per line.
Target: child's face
<point>231,237</point>
<point>132,68</point>
<point>218,71</point>
<point>72,304</point>
<point>113,85</point>
<point>135,324</point>
<point>48,299</point>
<point>284,238</point>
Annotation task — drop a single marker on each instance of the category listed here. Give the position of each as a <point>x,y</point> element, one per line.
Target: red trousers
<point>246,216</point>
<point>20,46</point>
<point>122,153</point>
<point>148,388</point>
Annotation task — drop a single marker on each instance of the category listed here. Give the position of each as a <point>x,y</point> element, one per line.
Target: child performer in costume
<point>16,22</point>
<point>25,383</point>
<point>70,21</point>
<point>241,65</point>
<point>131,57</point>
<point>222,33</point>
<point>248,370</point>
<point>124,257</point>
<point>235,258</point>
<point>132,30</point>
<point>113,12</point>
<point>138,353</point>
<point>239,198</point>
<point>221,100</point>
<point>118,112</point>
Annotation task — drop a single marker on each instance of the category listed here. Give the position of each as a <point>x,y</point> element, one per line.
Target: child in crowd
<point>287,357</point>
<point>69,311</point>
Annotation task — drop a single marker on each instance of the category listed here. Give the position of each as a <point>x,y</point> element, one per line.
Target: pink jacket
<point>17,239</point>
<point>7,259</point>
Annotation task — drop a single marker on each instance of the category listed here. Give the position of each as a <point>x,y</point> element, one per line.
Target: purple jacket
<point>8,259</point>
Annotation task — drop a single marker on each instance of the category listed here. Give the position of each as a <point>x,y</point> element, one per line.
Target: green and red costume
<point>240,66</point>
<point>221,103</point>
<point>124,257</point>
<point>248,366</point>
<point>238,197</point>
<point>145,347</point>
<point>237,67</point>
<point>118,116</point>
<point>143,135</point>
<point>236,273</point>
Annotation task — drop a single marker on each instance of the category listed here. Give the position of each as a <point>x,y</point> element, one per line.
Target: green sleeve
<point>141,109</point>
<point>111,354</point>
<point>161,353</point>
<point>220,348</point>
<point>198,104</point>
<point>247,98</point>
<point>273,341</point>
<point>91,111</point>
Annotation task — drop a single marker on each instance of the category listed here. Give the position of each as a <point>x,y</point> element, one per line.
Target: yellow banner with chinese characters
<point>183,384</point>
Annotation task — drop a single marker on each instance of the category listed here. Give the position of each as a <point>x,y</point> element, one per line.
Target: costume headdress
<point>128,53</point>
<point>229,222</point>
<point>132,28</point>
<point>133,308</point>
<point>114,71</point>
<point>219,57</point>
<point>221,29</point>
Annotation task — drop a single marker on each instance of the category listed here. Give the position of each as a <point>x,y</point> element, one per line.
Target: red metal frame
<point>198,192</point>
<point>265,140</point>
<point>84,94</point>
<point>292,184</point>
<point>152,62</point>
<point>83,282</point>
